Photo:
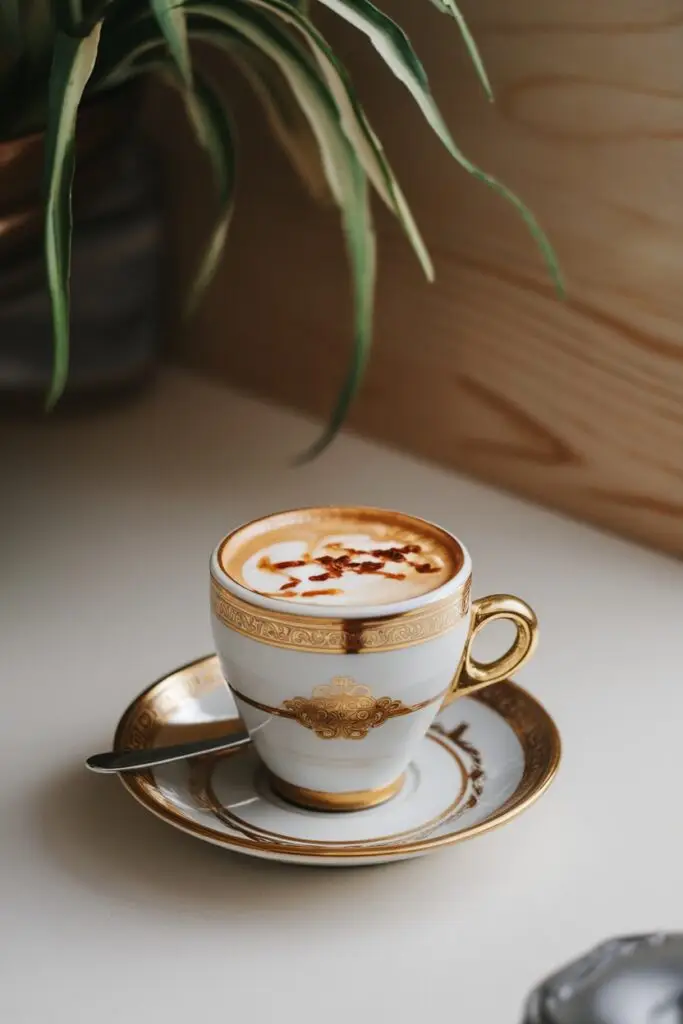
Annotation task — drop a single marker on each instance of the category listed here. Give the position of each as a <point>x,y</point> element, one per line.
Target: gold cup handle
<point>475,674</point>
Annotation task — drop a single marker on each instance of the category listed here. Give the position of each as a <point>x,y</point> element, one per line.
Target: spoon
<point>113,761</point>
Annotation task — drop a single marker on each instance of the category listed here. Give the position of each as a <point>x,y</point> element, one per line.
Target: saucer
<point>486,758</point>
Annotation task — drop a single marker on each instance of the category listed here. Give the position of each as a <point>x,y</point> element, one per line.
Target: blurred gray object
<point>627,980</point>
<point>115,286</point>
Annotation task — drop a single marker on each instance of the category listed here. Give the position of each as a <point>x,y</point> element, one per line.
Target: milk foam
<point>395,577</point>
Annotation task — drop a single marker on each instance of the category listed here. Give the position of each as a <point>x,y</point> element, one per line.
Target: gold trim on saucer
<point>201,785</point>
<point>340,636</point>
<point>145,723</point>
<point>340,710</point>
<point>317,800</point>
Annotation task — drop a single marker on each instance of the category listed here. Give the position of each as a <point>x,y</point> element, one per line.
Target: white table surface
<point>108,915</point>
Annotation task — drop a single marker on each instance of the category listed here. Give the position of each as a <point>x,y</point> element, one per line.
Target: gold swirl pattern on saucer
<point>341,709</point>
<point>466,797</point>
<point>340,636</point>
<point>157,717</point>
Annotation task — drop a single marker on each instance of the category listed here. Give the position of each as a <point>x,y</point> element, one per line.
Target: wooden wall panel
<point>578,404</point>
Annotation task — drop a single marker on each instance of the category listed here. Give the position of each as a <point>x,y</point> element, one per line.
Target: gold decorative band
<point>340,636</point>
<point>318,800</point>
<point>340,710</point>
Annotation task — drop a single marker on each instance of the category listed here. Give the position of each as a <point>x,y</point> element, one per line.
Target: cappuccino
<point>340,556</point>
<point>341,632</point>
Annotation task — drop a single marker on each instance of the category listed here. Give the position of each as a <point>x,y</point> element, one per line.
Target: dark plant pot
<point>116,262</point>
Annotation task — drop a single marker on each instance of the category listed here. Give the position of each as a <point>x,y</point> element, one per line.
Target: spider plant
<point>55,53</point>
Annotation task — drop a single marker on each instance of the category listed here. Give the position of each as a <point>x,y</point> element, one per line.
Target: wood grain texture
<point>578,404</point>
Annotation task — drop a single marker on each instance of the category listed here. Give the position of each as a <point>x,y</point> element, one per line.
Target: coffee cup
<point>341,632</point>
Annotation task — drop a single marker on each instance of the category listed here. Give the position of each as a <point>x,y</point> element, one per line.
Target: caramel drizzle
<point>334,567</point>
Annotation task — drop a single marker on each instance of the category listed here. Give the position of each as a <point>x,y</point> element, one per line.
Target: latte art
<point>341,569</point>
<point>340,557</point>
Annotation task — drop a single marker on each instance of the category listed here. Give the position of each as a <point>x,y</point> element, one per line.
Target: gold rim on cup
<point>336,635</point>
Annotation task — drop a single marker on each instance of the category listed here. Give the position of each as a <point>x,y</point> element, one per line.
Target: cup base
<point>318,800</point>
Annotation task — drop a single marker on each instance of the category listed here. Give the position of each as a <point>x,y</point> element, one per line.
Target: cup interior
<point>426,560</point>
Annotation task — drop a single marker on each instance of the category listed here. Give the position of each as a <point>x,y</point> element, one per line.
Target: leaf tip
<point>313,451</point>
<point>55,392</point>
<point>190,305</point>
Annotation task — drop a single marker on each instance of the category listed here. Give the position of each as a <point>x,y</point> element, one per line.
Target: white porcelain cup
<point>337,699</point>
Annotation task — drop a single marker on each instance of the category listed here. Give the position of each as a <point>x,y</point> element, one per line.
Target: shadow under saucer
<point>90,826</point>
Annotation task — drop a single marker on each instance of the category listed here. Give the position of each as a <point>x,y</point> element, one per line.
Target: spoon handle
<point>112,761</point>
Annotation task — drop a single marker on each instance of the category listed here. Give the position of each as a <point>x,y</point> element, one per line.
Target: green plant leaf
<point>215,131</point>
<point>171,21</point>
<point>72,65</point>
<point>354,122</point>
<point>69,16</point>
<point>10,25</point>
<point>210,121</point>
<point>78,17</point>
<point>12,59</point>
<point>394,47</point>
<point>345,174</point>
<point>451,8</point>
<point>25,56</point>
<point>235,28</point>
<point>285,117</point>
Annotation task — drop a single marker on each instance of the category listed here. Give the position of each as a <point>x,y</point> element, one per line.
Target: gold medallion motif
<point>339,710</point>
<point>343,709</point>
<point>147,720</point>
